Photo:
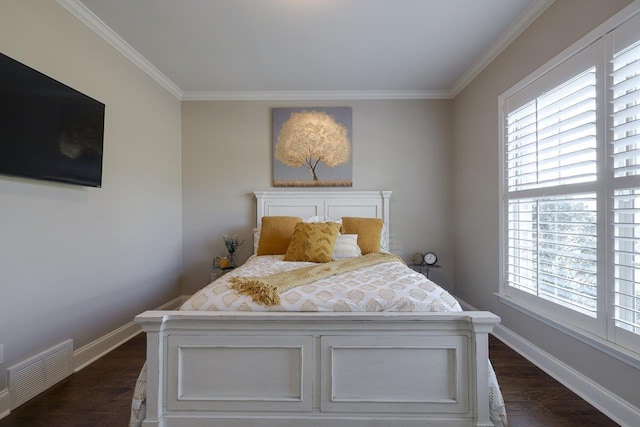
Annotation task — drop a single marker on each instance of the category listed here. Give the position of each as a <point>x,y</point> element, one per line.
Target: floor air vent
<point>36,374</point>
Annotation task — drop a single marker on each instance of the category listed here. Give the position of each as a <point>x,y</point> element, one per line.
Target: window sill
<point>623,354</point>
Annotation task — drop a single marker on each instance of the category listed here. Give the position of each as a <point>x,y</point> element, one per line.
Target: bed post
<point>152,324</point>
<point>482,323</point>
<point>259,207</point>
<point>386,195</point>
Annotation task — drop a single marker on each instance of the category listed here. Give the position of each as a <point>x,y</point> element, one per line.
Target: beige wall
<point>402,146</point>
<point>78,262</point>
<point>475,185</point>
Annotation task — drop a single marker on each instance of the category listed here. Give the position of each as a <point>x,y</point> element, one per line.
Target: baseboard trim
<point>601,398</point>
<point>91,352</point>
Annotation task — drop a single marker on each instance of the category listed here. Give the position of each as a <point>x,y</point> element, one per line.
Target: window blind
<point>552,250</point>
<point>625,140</point>
<point>551,141</point>
<point>552,241</point>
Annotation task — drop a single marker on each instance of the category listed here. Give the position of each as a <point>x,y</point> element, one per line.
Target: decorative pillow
<point>346,247</point>
<point>368,230</point>
<point>275,234</point>
<point>312,241</point>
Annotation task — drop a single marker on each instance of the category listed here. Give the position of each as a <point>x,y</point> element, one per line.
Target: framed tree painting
<point>312,147</point>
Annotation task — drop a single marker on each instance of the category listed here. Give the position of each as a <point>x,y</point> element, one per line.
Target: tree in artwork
<point>309,138</point>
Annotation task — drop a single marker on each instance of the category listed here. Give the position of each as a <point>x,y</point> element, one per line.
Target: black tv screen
<point>48,130</point>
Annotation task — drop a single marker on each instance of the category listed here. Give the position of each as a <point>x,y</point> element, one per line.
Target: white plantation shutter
<point>625,149</point>
<point>625,90</point>
<point>551,145</point>
<point>571,189</point>
<point>626,313</point>
<point>551,141</point>
<point>552,250</point>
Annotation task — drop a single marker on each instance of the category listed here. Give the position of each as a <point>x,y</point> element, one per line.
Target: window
<point>571,188</point>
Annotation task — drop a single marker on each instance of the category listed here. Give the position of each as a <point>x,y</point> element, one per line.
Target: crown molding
<point>81,12</point>
<point>530,15</point>
<point>85,15</point>
<point>314,95</point>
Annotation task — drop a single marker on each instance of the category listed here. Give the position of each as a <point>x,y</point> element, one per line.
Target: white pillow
<point>346,246</point>
<point>320,218</point>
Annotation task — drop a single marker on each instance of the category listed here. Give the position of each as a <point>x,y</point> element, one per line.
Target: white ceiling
<point>242,49</point>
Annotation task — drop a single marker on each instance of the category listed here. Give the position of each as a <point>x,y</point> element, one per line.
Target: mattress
<point>388,286</point>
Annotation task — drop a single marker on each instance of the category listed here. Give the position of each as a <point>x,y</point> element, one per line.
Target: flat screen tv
<point>48,130</point>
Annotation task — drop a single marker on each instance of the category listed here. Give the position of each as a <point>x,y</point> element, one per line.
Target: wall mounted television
<point>48,130</point>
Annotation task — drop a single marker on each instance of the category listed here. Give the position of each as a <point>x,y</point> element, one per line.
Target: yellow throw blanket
<point>266,290</point>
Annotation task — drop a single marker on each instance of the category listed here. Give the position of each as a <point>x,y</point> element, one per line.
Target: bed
<point>379,345</point>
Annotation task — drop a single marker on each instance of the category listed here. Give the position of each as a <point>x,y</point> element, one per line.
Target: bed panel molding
<point>212,373</point>
<point>359,372</point>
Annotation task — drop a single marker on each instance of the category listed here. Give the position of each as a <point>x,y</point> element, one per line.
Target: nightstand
<point>424,268</point>
<point>217,272</point>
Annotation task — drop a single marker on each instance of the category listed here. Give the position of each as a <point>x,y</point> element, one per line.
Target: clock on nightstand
<point>430,258</point>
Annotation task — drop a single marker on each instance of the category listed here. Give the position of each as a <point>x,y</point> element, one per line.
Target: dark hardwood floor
<point>100,394</point>
<point>534,399</point>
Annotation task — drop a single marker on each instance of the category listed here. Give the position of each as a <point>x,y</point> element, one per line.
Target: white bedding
<point>390,286</point>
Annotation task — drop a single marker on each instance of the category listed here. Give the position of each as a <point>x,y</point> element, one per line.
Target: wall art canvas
<point>312,147</point>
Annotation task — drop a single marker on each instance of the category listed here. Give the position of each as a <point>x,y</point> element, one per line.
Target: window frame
<point>599,332</point>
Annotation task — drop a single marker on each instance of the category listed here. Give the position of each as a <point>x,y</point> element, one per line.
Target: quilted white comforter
<point>390,286</point>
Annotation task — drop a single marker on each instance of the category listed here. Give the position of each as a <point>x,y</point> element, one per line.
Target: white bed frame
<point>243,369</point>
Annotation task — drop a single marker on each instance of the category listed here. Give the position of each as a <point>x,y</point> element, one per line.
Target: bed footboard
<point>317,369</point>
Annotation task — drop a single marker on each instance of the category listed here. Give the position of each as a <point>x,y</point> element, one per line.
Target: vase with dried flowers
<point>232,244</point>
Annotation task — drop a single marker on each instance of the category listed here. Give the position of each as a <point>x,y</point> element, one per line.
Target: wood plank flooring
<point>534,399</point>
<point>100,394</point>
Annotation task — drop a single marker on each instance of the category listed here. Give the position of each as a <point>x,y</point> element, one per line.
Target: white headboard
<point>333,204</point>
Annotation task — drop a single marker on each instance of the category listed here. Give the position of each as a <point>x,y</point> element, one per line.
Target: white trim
<point>523,22</point>
<point>314,95</point>
<point>91,352</point>
<point>87,17</point>
<point>601,398</point>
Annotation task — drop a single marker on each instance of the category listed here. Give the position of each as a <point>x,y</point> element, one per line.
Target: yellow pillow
<point>368,231</point>
<point>312,241</point>
<point>275,234</point>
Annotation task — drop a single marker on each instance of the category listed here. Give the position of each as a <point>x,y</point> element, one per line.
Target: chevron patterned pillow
<point>312,241</point>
